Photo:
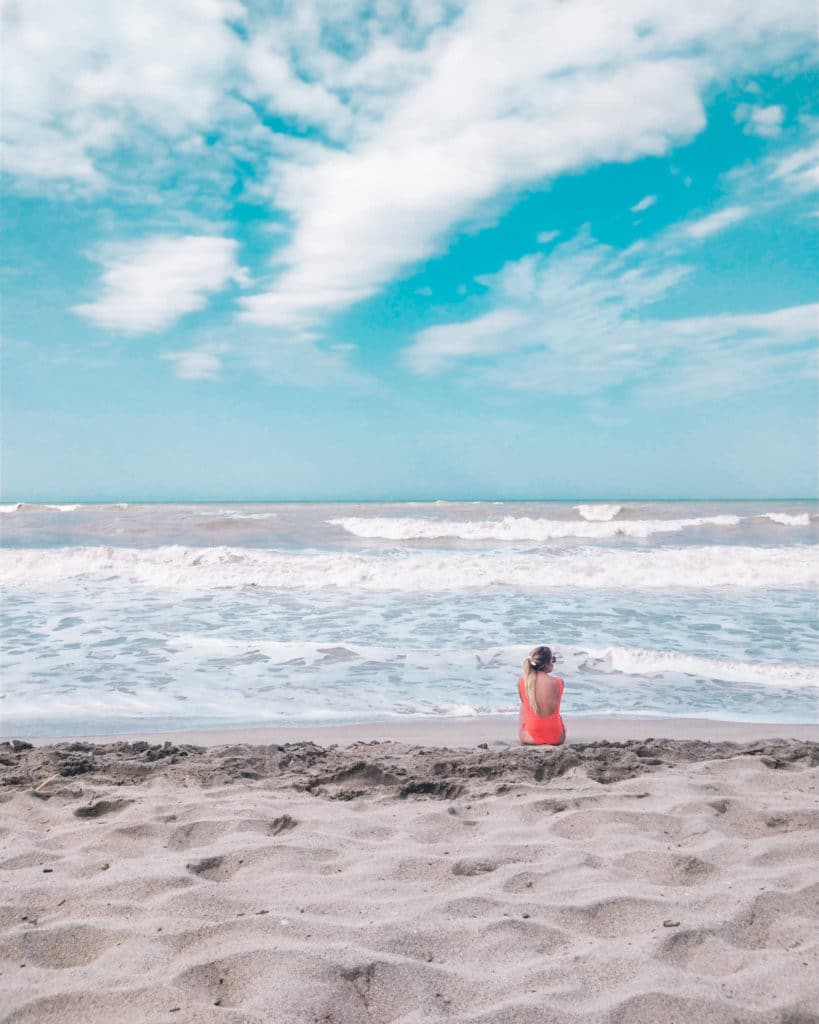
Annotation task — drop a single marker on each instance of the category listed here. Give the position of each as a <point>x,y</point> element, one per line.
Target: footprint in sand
<point>212,868</point>
<point>196,833</point>
<point>100,808</point>
<point>268,826</point>
<point>59,948</point>
<point>469,868</point>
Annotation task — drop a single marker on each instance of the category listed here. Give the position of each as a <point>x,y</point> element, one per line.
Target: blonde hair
<point>538,660</point>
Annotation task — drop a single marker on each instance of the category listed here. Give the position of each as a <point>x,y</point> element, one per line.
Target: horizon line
<point>391,500</point>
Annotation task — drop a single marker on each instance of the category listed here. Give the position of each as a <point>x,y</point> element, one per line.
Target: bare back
<point>547,694</point>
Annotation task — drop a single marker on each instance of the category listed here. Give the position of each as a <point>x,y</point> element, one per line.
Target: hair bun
<point>540,657</point>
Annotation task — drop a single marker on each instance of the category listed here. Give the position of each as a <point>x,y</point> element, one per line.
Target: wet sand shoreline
<point>456,732</point>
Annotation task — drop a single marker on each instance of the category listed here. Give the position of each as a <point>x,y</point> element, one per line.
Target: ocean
<point>123,618</point>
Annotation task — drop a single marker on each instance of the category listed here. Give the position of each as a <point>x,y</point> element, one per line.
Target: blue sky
<point>546,249</point>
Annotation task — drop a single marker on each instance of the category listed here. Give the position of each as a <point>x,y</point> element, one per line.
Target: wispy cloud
<point>304,365</point>
<point>705,227</point>
<point>568,321</point>
<point>766,122</point>
<point>579,321</point>
<point>195,364</point>
<point>644,204</point>
<point>149,284</point>
<point>788,326</point>
<point>799,170</point>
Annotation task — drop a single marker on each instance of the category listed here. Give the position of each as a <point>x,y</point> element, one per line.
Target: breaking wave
<point>520,528</point>
<point>174,566</point>
<point>599,513</point>
<point>637,662</point>
<point>786,519</point>
<point>630,661</point>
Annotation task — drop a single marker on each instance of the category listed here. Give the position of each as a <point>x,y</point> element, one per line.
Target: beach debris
<point>668,923</point>
<point>46,782</point>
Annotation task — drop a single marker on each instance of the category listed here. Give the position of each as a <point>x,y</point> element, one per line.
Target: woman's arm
<point>523,734</point>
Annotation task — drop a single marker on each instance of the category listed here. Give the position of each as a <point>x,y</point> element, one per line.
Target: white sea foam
<point>697,567</point>
<point>787,519</point>
<point>62,508</point>
<point>631,661</point>
<point>169,667</point>
<point>233,513</point>
<point>11,508</point>
<point>637,662</point>
<point>518,528</point>
<point>599,513</point>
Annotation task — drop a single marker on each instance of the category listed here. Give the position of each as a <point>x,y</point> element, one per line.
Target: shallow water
<point>169,616</point>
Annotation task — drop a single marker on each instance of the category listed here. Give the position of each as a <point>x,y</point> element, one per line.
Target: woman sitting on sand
<point>540,694</point>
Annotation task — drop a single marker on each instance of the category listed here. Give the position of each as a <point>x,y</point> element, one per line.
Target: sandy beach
<point>419,880</point>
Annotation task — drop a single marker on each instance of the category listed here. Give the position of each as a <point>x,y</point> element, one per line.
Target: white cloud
<point>149,284</point>
<point>195,364</point>
<point>644,204</point>
<point>575,309</point>
<point>788,326</point>
<point>799,170</point>
<point>716,222</point>
<point>273,80</point>
<point>502,97</point>
<point>579,321</point>
<point>544,237</point>
<point>765,122</point>
<point>779,180</point>
<point>303,365</point>
<point>391,200</point>
<point>83,78</point>
<point>424,114</point>
<point>486,335</point>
